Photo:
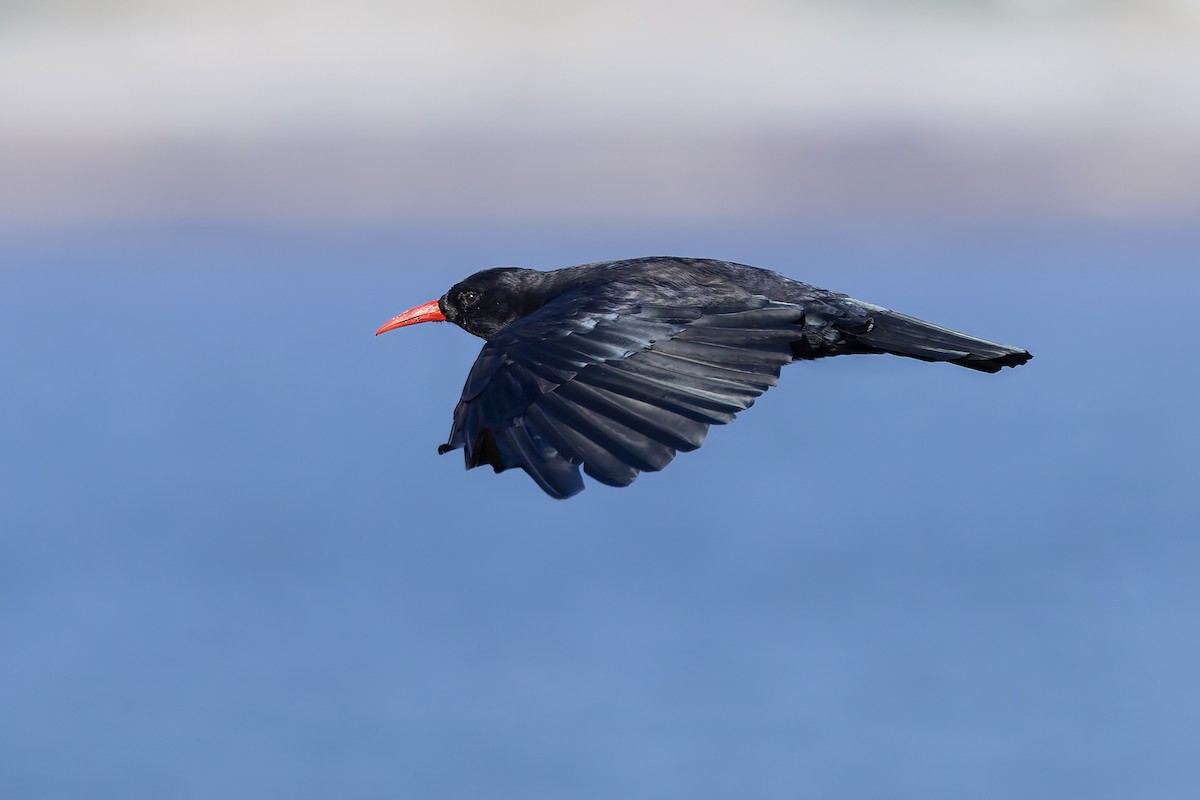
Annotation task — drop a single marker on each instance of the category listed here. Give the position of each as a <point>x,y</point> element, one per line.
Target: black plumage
<point>617,366</point>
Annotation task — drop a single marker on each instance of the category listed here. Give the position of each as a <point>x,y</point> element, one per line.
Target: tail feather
<point>902,335</point>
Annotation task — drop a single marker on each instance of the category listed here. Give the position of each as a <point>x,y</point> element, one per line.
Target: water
<point>232,564</point>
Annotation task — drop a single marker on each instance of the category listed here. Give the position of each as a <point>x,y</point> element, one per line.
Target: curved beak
<point>414,316</point>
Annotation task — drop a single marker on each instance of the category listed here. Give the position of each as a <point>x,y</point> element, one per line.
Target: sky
<point>232,563</point>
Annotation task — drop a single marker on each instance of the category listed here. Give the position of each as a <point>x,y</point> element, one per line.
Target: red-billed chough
<point>616,366</point>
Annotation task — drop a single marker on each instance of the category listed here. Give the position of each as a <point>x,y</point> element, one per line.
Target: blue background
<point>232,564</point>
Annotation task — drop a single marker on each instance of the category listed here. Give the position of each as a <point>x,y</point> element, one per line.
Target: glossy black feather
<point>617,396</point>
<point>616,367</point>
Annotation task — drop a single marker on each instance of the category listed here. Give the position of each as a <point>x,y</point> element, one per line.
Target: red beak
<point>426,313</point>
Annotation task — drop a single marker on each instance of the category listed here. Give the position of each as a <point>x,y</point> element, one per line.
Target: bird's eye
<point>468,298</point>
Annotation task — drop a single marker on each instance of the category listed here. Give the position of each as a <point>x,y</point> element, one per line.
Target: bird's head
<point>483,304</point>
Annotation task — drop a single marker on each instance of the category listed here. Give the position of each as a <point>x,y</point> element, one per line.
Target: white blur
<point>365,111</point>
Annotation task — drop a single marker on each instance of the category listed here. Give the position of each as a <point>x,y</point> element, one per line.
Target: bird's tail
<point>902,335</point>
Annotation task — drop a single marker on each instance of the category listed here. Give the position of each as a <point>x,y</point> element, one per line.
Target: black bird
<point>616,366</point>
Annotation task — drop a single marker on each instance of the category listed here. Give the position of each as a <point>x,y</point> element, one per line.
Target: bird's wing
<point>616,391</point>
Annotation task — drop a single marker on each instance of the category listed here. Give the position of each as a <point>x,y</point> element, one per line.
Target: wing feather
<point>617,391</point>
<point>599,462</point>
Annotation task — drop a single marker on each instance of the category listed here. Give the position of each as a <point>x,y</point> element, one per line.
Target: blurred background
<point>232,564</point>
<point>312,113</point>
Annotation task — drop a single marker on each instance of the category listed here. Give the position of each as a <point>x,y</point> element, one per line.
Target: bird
<point>616,366</point>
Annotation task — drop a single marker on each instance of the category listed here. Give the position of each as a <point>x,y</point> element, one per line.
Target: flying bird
<point>617,366</point>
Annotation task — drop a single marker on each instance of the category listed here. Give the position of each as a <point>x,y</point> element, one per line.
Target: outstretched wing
<point>617,392</point>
